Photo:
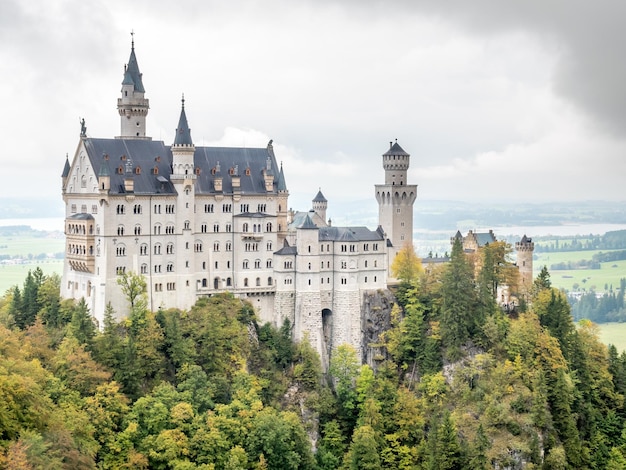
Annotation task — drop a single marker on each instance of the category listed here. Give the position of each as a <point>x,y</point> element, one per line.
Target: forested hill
<point>459,384</point>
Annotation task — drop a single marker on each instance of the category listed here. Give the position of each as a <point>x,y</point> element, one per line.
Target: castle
<point>197,221</point>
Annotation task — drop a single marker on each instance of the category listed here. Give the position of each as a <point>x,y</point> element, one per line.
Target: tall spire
<point>281,186</point>
<point>132,106</point>
<point>183,133</point>
<point>132,75</point>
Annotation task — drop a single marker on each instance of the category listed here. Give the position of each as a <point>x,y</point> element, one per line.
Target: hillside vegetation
<point>459,384</point>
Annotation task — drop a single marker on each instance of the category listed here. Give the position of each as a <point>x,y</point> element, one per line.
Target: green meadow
<point>34,249</point>
<point>615,334</point>
<point>608,275</point>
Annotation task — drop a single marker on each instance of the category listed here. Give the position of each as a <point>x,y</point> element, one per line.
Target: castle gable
<point>81,176</point>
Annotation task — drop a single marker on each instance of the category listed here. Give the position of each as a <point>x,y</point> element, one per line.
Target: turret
<point>320,204</point>
<point>183,149</point>
<point>283,201</point>
<point>525,249</point>
<point>132,106</point>
<point>66,173</point>
<point>104,176</point>
<point>395,199</point>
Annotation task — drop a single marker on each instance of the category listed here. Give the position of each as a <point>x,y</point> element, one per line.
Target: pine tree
<point>82,325</point>
<point>458,302</point>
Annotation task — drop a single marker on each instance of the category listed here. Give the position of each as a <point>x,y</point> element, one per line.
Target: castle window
<point>170,249</point>
<point>229,246</point>
<point>344,281</point>
<point>170,267</point>
<point>375,246</point>
<point>258,282</point>
<point>186,225</point>
<point>120,250</point>
<point>309,282</point>
<point>229,281</point>
<point>120,270</point>
<point>245,264</point>
<point>197,247</point>
<point>203,228</point>
<point>269,281</point>
<point>208,208</point>
<point>261,208</point>
<point>344,248</point>
<point>169,209</point>
<point>245,227</point>
<point>204,265</point>
<point>374,278</point>
<point>120,230</point>
<point>144,269</point>
<point>366,247</point>
<point>375,263</point>
<point>120,170</point>
<point>352,248</point>
<point>83,208</point>
<point>216,227</point>
<point>244,208</point>
<point>143,249</point>
<point>229,228</point>
<point>288,264</point>
<point>157,229</point>
<point>157,249</point>
<point>216,265</point>
<point>268,263</point>
<point>309,247</point>
<point>137,209</point>
<point>228,264</point>
<point>216,246</point>
<point>158,287</point>
<point>365,279</point>
<point>344,265</point>
<point>94,209</point>
<point>155,170</point>
<point>247,171</point>
<point>257,264</point>
<point>309,266</point>
<point>198,171</point>
<point>366,263</point>
<point>138,170</point>
<point>157,268</point>
<point>121,209</point>
<point>157,208</point>
<point>169,230</point>
<point>269,246</point>
<point>171,286</point>
<point>227,207</point>
<point>137,229</point>
<point>245,282</point>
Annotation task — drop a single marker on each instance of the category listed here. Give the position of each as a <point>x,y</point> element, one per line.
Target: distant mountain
<point>20,208</point>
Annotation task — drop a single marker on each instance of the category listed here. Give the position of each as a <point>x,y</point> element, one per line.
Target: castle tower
<point>320,204</point>
<point>132,106</point>
<point>525,248</point>
<point>283,201</point>
<point>395,199</point>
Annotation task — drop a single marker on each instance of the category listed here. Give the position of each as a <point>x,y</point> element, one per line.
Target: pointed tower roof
<point>132,75</point>
<point>320,197</point>
<point>308,223</point>
<point>282,186</point>
<point>183,133</point>
<point>395,149</point>
<point>104,168</point>
<point>66,168</point>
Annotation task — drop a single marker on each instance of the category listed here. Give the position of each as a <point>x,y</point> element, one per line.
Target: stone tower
<point>395,199</point>
<point>525,248</point>
<point>320,205</point>
<point>132,106</point>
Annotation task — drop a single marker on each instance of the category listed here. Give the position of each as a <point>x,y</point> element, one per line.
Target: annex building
<point>196,221</point>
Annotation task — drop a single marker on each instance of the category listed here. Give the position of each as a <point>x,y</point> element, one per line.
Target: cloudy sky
<point>519,100</point>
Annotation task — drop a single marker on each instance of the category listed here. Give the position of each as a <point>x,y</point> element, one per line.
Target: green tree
<point>363,453</point>
<point>458,302</point>
<point>344,368</point>
<point>82,325</point>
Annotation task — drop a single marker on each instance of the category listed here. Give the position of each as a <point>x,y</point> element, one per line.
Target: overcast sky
<point>519,100</point>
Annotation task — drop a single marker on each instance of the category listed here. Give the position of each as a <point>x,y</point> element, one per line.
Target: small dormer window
<point>138,170</point>
<point>247,171</point>
<point>198,171</point>
<point>120,170</point>
<point>155,170</point>
<point>123,158</point>
<point>213,170</point>
<point>157,159</point>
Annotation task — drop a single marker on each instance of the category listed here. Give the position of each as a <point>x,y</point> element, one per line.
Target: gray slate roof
<point>484,238</point>
<point>149,155</point>
<point>132,75</point>
<point>183,133</point>
<point>350,234</point>
<point>66,168</point>
<point>319,197</point>
<point>395,149</point>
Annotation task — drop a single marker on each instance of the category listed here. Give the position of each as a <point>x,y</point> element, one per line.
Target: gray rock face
<point>375,319</point>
